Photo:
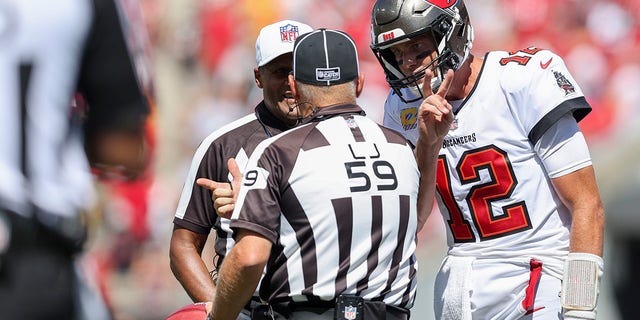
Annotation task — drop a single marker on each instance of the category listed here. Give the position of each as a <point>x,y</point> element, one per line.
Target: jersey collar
<point>335,110</point>
<point>268,120</point>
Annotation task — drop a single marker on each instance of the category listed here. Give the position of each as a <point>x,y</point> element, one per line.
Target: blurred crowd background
<point>201,55</point>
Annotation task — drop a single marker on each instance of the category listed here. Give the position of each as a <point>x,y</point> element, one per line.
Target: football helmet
<point>445,22</point>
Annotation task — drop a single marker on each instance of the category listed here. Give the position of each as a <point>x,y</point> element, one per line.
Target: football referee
<point>48,52</point>
<point>330,204</point>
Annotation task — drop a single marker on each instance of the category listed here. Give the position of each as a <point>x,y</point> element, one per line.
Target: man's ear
<point>257,77</point>
<point>359,84</point>
<point>292,85</point>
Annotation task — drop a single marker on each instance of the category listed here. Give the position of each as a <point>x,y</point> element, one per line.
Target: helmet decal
<point>443,4</point>
<point>390,35</point>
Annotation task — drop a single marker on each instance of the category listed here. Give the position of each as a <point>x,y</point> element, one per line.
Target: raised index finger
<point>446,84</point>
<point>426,84</point>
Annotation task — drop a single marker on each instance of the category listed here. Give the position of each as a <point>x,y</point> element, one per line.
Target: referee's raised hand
<point>224,194</point>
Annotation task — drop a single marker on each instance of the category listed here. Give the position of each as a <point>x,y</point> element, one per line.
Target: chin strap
<point>581,285</point>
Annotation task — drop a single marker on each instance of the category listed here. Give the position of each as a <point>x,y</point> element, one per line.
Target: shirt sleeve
<point>563,148</point>
<point>257,207</point>
<point>543,92</point>
<point>195,210</point>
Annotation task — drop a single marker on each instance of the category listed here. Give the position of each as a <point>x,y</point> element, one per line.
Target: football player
<point>509,166</point>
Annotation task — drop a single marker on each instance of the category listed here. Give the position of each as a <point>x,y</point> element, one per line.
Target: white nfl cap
<point>277,39</point>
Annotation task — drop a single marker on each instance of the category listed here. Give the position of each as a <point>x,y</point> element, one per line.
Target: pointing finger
<point>212,185</point>
<point>446,84</point>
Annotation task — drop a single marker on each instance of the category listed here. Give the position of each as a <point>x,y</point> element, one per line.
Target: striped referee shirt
<point>337,198</point>
<point>237,140</point>
<point>50,50</point>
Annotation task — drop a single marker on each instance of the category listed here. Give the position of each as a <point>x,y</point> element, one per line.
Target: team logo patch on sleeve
<point>409,118</point>
<point>563,83</point>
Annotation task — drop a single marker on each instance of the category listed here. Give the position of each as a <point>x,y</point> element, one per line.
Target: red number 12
<point>514,217</point>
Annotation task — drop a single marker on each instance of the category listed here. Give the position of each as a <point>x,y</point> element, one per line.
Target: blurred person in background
<point>196,214</point>
<point>510,166</point>
<point>47,54</point>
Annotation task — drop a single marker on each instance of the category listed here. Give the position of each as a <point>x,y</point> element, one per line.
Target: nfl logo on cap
<point>289,33</point>
<point>277,39</point>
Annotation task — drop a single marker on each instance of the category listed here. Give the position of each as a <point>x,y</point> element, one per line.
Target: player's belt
<point>372,309</point>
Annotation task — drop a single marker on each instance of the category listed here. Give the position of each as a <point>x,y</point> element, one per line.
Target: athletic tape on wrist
<point>581,281</point>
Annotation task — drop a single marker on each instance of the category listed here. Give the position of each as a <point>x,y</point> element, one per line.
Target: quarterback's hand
<point>435,115</point>
<point>224,194</point>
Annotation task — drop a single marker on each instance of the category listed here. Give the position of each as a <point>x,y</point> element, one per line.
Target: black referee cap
<point>325,57</point>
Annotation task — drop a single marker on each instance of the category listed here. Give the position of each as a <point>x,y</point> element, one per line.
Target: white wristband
<point>580,285</point>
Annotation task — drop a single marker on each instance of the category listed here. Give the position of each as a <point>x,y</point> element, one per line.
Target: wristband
<point>580,285</point>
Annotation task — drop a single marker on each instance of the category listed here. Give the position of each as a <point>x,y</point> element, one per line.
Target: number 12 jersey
<point>496,198</point>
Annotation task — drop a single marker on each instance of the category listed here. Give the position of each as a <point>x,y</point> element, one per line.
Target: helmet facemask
<point>448,29</point>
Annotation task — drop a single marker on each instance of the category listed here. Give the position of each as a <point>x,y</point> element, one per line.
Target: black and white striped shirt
<point>48,51</point>
<point>237,140</point>
<point>337,197</point>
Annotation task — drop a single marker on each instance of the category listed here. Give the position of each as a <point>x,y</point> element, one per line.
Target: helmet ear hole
<point>442,27</point>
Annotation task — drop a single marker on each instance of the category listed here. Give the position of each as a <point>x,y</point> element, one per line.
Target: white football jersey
<point>495,196</point>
